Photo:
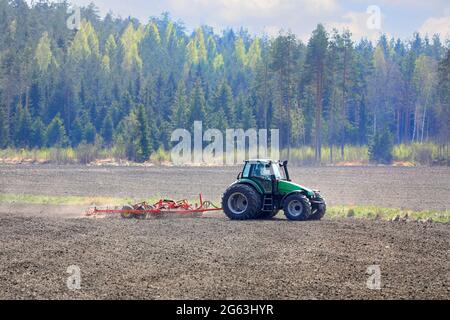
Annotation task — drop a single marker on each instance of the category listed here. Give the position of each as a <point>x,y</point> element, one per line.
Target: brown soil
<point>407,188</point>
<point>212,257</point>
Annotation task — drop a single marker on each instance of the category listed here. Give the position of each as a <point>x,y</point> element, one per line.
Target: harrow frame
<point>182,207</point>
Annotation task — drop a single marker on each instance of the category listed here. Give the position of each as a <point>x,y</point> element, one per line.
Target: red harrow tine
<point>161,207</point>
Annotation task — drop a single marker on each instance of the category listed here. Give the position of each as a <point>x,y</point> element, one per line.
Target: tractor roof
<point>261,161</point>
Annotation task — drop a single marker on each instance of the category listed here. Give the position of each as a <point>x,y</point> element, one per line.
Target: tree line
<point>120,82</point>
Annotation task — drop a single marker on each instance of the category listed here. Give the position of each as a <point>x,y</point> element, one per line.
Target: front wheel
<point>318,212</point>
<point>297,207</point>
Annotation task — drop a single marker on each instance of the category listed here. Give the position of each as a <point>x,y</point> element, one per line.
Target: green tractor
<point>263,188</point>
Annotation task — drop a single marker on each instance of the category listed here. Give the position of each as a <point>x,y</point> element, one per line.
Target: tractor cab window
<point>277,172</point>
<point>246,171</point>
<point>261,170</point>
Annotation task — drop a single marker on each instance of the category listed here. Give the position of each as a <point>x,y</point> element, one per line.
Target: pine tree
<point>4,130</point>
<point>181,107</point>
<point>444,102</point>
<point>283,64</point>
<point>240,51</point>
<point>248,117</point>
<point>76,133</point>
<point>22,121</point>
<point>224,101</point>
<point>144,150</point>
<point>315,63</point>
<point>130,43</point>
<point>198,104</point>
<point>38,134</point>
<point>245,117</point>
<point>56,133</point>
<point>108,130</point>
<point>254,54</point>
<point>44,54</point>
<point>90,133</point>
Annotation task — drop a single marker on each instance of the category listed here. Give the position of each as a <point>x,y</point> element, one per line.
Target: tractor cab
<point>265,169</point>
<point>267,174</point>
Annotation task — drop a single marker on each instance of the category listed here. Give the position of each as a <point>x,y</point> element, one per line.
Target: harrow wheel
<point>127,215</point>
<point>141,216</point>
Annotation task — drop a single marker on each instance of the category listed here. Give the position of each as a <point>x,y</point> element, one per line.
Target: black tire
<point>319,212</point>
<point>297,207</point>
<point>268,215</point>
<point>127,215</point>
<point>247,202</point>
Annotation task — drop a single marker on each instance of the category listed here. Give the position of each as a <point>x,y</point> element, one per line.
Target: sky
<point>365,19</point>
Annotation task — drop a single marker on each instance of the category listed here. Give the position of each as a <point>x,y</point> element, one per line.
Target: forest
<point>118,83</point>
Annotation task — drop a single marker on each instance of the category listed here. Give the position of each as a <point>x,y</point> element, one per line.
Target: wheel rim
<point>295,208</point>
<point>238,203</point>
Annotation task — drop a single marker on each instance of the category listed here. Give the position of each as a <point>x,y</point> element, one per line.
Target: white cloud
<point>437,25</point>
<point>259,16</point>
<point>356,23</point>
<point>401,17</point>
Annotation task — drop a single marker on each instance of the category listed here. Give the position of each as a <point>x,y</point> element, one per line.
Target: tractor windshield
<point>261,170</point>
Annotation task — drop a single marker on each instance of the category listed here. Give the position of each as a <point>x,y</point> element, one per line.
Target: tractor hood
<point>285,187</point>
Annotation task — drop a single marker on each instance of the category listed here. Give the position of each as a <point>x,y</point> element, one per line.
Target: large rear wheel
<point>241,202</point>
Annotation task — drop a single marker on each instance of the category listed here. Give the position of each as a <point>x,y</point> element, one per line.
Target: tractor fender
<point>303,193</point>
<point>250,183</point>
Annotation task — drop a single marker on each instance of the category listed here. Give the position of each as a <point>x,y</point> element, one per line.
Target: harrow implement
<point>161,208</point>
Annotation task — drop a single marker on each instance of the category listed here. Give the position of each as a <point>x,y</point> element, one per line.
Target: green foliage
<point>4,130</point>
<point>381,148</point>
<point>160,156</point>
<point>86,153</point>
<point>198,104</point>
<point>126,137</point>
<point>43,53</point>
<point>181,107</point>
<point>76,133</point>
<point>38,134</point>
<point>108,130</point>
<point>22,128</point>
<point>56,133</point>
<point>388,214</point>
<point>241,52</point>
<point>254,54</point>
<point>218,62</point>
<point>85,44</point>
<point>144,151</point>
<point>329,94</point>
<point>130,44</point>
